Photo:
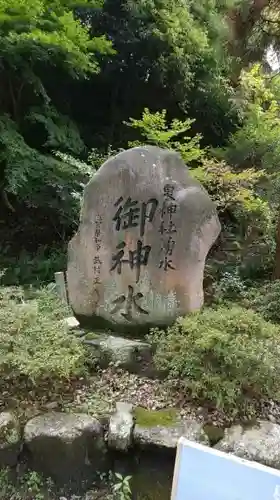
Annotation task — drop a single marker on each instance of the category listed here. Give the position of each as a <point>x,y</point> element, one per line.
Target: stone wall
<point>64,446</point>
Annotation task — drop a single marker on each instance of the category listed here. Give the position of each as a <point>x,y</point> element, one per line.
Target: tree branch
<point>7,202</point>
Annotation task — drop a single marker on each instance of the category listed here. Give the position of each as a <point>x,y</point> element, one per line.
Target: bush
<point>32,268</point>
<point>266,301</point>
<point>227,357</point>
<point>33,340</point>
<point>229,287</point>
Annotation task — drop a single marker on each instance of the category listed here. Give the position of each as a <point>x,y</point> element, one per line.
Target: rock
<point>64,445</point>
<point>10,439</point>
<point>145,230</point>
<point>167,437</point>
<point>261,443</point>
<point>131,355</point>
<point>120,427</point>
<point>71,323</point>
<point>52,405</point>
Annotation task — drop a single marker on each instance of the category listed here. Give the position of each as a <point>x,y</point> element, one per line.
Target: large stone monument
<point>139,254</point>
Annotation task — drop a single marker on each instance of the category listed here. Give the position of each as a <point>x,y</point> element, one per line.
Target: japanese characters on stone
<point>131,214</point>
<point>167,227</point>
<point>97,263</point>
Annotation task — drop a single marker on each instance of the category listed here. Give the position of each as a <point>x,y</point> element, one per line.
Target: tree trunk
<point>241,24</point>
<point>6,201</point>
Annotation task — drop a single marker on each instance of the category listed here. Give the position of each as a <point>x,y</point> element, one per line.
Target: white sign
<point>203,473</point>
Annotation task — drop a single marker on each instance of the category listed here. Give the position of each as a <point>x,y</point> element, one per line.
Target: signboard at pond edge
<point>203,473</point>
<point>146,227</point>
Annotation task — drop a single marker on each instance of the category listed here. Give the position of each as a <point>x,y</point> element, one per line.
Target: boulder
<point>260,443</point>
<point>167,436</point>
<point>10,439</point>
<point>65,446</point>
<point>145,230</point>
<point>120,427</point>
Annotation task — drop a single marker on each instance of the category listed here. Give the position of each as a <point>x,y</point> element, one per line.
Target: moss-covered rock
<point>152,418</point>
<point>164,428</point>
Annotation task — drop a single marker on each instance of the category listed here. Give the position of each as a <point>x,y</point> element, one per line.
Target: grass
<point>30,485</point>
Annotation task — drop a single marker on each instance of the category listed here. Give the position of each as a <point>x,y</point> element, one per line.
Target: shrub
<point>33,340</point>
<point>32,269</point>
<point>266,301</point>
<point>154,129</point>
<point>229,287</point>
<point>227,357</point>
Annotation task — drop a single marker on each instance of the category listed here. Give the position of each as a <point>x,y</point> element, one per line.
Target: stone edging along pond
<point>63,445</point>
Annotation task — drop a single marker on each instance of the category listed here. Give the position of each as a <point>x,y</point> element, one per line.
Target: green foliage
<point>171,55</point>
<point>36,38</point>
<point>233,191</point>
<point>229,287</point>
<point>6,487</point>
<point>247,220</point>
<point>34,483</point>
<point>28,269</point>
<point>121,487</point>
<point>155,130</point>
<point>97,157</point>
<point>34,340</point>
<point>226,357</point>
<point>49,32</point>
<point>56,183</point>
<point>256,143</point>
<point>265,300</point>
<point>29,486</point>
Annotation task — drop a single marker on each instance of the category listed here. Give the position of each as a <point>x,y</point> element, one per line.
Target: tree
<point>255,27</point>
<point>171,55</point>
<point>256,143</point>
<point>38,38</point>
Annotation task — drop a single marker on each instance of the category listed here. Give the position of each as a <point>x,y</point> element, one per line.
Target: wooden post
<point>61,286</point>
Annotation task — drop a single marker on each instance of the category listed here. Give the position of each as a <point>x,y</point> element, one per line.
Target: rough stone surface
<point>139,254</point>
<point>120,427</point>
<point>10,440</point>
<point>131,355</point>
<point>167,437</point>
<point>260,443</point>
<point>64,446</point>
<point>71,323</point>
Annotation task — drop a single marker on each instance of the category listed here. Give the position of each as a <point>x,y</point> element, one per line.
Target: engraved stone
<point>138,257</point>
